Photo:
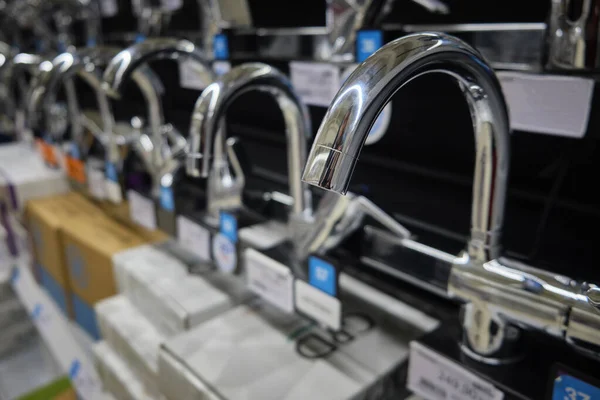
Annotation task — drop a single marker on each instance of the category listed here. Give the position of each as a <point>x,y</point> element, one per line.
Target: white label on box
<point>96,184</point>
<point>141,210</point>
<point>113,191</point>
<point>193,237</point>
<point>548,104</point>
<point>320,306</point>
<point>269,279</point>
<point>435,377</point>
<point>316,83</point>
<point>189,77</point>
<point>108,8</point>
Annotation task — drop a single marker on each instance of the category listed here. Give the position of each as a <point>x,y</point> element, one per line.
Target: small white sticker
<point>113,191</point>
<point>548,104</point>
<point>189,78</point>
<point>435,377</point>
<point>141,210</point>
<point>221,67</point>
<point>225,253</point>
<point>264,236</point>
<point>269,279</point>
<point>96,184</point>
<point>108,8</point>
<point>320,306</point>
<point>316,83</point>
<point>193,237</point>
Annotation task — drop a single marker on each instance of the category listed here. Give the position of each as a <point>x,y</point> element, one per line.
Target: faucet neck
<point>357,105</point>
<point>213,104</point>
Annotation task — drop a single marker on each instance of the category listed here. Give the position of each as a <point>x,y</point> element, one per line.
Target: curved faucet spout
<point>212,106</point>
<point>129,59</point>
<point>355,108</point>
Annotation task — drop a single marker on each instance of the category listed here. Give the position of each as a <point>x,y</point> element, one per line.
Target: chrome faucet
<point>336,217</point>
<point>125,63</point>
<point>207,135</point>
<point>500,294</point>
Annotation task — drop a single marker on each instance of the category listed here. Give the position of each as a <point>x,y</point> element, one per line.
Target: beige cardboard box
<point>46,218</point>
<point>89,247</point>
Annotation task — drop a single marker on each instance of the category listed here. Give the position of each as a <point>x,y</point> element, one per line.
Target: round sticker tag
<point>225,253</point>
<point>383,121</point>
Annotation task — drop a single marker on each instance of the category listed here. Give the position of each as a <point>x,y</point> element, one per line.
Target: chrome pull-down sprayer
<point>501,295</point>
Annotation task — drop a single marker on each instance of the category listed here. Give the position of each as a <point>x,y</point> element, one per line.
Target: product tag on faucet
<point>220,47</point>
<point>193,237</point>
<point>569,385</point>
<point>322,275</point>
<point>269,279</point>
<point>367,43</point>
<point>318,305</point>
<point>141,210</point>
<point>167,202</point>
<point>316,83</point>
<point>75,168</point>
<point>224,244</point>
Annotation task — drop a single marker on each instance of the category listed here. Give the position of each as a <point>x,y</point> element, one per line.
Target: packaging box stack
<point>158,299</point>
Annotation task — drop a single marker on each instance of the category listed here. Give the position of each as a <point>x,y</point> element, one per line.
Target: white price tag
<point>96,180</point>
<point>316,83</point>
<point>113,191</point>
<point>320,306</point>
<point>548,104</point>
<point>193,238</point>
<point>435,377</point>
<point>141,210</point>
<point>108,8</point>
<point>269,279</point>
<point>189,77</point>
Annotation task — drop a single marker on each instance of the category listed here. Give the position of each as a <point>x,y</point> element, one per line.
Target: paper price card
<point>269,279</point>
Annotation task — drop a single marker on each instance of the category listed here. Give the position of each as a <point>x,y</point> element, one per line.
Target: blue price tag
<point>74,368</point>
<point>14,276</point>
<point>75,153</point>
<point>111,172</point>
<point>167,202</point>
<point>367,43</point>
<point>322,275</point>
<point>139,38</point>
<point>221,47</point>
<point>91,42</point>
<point>228,226</point>
<point>567,387</point>
<point>36,312</point>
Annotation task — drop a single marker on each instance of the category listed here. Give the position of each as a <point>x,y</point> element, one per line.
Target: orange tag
<point>47,152</point>
<point>75,169</point>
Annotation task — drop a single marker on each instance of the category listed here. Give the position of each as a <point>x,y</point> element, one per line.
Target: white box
<point>132,336</point>
<point>248,353</point>
<point>172,299</point>
<point>117,378</point>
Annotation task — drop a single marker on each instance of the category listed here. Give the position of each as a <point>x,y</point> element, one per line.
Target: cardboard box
<point>89,247</point>
<point>46,218</point>
<point>159,286</point>
<point>116,376</point>
<point>248,353</point>
<point>132,336</point>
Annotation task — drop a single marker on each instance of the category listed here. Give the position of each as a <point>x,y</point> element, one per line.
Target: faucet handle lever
<point>366,207</point>
<point>237,158</point>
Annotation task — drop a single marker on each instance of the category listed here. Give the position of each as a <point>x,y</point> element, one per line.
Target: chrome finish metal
<point>346,17</point>
<point>138,55</point>
<point>364,94</point>
<point>207,124</point>
<point>574,44</point>
<point>501,295</point>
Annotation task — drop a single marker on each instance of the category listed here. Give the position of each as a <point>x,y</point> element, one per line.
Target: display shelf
<point>57,333</point>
